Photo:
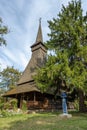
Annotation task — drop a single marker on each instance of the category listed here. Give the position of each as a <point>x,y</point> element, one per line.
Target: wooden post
<point>18,102</point>
<point>27,102</point>
<point>21,102</point>
<point>34,96</point>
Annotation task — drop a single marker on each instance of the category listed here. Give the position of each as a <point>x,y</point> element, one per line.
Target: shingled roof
<point>28,87</point>
<point>37,60</point>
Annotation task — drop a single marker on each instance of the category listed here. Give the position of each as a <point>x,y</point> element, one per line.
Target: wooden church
<point>26,88</point>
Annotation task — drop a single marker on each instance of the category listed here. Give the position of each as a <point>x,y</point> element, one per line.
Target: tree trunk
<point>82,107</point>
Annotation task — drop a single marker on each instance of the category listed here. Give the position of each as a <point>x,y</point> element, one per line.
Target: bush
<point>85,103</point>
<point>4,113</point>
<point>13,103</point>
<point>76,104</point>
<point>24,106</point>
<point>1,103</point>
<point>7,105</point>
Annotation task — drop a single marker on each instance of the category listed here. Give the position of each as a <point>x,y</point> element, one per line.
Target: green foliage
<point>68,41</point>
<point>76,104</point>
<point>3,31</point>
<point>10,76</point>
<point>7,105</point>
<point>50,76</point>
<point>85,102</point>
<point>13,103</point>
<point>1,103</point>
<point>24,105</point>
<point>4,113</point>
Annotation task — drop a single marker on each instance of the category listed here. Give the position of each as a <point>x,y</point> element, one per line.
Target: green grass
<point>44,121</point>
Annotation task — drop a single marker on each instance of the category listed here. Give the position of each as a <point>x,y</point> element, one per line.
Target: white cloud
<point>22,17</point>
<point>23,59</point>
<point>9,54</point>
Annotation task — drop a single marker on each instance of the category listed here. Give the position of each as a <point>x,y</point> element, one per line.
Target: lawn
<point>44,121</point>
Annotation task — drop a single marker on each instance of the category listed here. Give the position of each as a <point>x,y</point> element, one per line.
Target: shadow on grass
<point>49,121</point>
<point>77,113</point>
<point>32,122</point>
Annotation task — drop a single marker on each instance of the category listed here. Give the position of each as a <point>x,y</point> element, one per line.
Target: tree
<point>68,41</point>
<point>10,76</point>
<point>3,31</point>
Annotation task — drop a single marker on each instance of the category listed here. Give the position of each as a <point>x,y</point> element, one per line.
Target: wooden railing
<point>43,105</point>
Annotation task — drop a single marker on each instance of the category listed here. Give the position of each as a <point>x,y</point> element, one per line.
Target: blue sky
<point>21,17</point>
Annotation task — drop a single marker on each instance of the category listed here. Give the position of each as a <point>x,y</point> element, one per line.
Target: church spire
<point>39,37</point>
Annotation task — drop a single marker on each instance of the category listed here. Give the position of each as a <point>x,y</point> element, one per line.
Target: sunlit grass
<point>44,121</point>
